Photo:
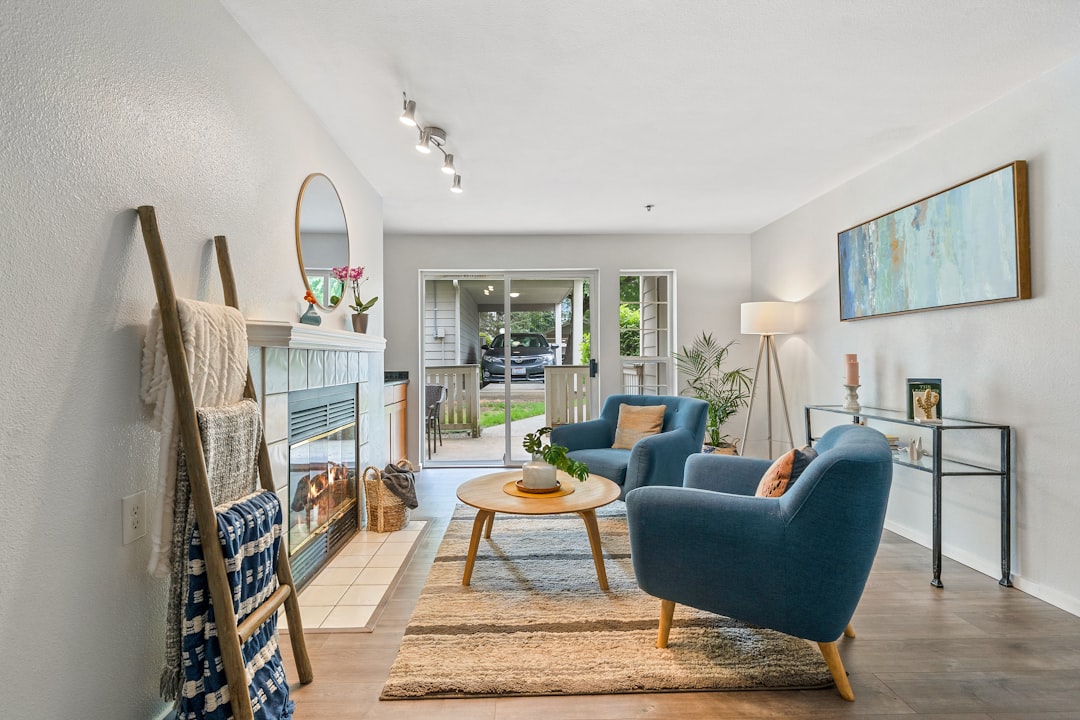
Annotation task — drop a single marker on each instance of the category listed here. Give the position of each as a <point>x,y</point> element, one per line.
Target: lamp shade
<point>768,318</point>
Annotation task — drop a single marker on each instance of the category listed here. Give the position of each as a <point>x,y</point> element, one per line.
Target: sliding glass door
<point>509,348</point>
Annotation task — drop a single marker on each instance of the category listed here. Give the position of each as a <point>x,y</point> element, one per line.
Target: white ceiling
<point>569,116</point>
<point>531,294</point>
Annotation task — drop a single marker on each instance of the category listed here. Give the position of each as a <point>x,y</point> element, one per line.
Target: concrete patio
<point>458,448</point>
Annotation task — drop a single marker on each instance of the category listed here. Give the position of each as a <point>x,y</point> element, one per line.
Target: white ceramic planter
<point>538,475</point>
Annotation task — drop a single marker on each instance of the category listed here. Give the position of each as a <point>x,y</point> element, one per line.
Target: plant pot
<point>539,475</point>
<point>723,449</point>
<point>359,322</point>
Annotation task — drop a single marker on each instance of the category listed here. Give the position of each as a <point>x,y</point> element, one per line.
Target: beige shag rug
<point>535,622</point>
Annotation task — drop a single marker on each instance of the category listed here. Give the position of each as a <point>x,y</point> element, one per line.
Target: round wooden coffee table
<point>487,495</point>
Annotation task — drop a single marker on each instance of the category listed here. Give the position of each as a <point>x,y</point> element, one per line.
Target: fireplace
<point>315,394</point>
<point>323,472</point>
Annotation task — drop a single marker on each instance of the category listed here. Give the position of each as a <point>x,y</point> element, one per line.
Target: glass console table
<point>940,467</point>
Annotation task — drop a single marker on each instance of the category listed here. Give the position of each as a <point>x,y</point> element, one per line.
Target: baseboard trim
<point>991,569</point>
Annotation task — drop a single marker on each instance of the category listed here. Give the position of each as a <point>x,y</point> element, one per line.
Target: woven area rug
<point>535,622</point>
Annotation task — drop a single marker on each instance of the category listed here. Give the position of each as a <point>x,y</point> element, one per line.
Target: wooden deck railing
<point>566,394</point>
<point>461,411</point>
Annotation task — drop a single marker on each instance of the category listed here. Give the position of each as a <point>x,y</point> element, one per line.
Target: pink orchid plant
<point>355,277</point>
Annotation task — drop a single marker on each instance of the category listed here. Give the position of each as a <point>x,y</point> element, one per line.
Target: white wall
<point>103,109</point>
<point>1014,363</point>
<point>712,274</point>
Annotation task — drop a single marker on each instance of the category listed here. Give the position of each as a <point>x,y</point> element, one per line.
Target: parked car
<point>530,353</point>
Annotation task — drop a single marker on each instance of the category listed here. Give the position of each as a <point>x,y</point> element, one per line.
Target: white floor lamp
<point>768,319</point>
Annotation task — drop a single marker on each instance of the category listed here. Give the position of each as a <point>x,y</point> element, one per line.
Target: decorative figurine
<point>926,404</point>
<point>915,450</point>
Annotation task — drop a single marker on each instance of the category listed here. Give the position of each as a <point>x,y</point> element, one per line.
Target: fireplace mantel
<point>272,333</point>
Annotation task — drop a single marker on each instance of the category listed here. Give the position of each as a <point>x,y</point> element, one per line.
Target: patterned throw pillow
<point>783,473</point>
<point>636,422</point>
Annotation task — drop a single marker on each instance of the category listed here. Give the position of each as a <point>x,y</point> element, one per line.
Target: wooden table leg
<point>482,517</point>
<point>488,524</point>
<point>589,516</point>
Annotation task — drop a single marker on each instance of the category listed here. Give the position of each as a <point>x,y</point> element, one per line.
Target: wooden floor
<point>970,651</point>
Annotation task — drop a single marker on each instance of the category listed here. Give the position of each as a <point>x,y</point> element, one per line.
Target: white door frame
<point>507,277</point>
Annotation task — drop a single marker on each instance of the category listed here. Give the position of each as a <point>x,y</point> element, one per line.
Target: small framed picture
<point>924,400</point>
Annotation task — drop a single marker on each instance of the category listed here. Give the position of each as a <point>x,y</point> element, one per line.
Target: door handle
<point>592,367</point>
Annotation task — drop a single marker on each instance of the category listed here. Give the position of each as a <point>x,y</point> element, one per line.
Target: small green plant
<point>554,454</point>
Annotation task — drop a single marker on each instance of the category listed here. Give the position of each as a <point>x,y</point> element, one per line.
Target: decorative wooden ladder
<point>230,634</point>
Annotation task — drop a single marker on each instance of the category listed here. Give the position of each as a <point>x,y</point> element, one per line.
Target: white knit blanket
<point>215,342</point>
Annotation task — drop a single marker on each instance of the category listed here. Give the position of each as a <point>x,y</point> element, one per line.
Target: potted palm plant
<point>724,390</point>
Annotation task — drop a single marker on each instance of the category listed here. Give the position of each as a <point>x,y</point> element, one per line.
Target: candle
<point>852,377</point>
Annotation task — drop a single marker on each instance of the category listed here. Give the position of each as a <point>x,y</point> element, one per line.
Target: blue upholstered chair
<point>654,460</point>
<point>796,563</point>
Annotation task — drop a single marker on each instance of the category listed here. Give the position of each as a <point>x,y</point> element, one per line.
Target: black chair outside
<point>434,397</point>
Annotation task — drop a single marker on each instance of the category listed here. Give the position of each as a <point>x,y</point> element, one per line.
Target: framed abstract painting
<point>965,245</point>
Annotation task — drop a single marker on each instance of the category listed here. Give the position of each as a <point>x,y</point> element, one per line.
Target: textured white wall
<point>712,273</point>
<point>1014,363</point>
<point>103,109</point>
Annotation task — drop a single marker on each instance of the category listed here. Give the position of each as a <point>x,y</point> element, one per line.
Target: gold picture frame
<point>966,245</point>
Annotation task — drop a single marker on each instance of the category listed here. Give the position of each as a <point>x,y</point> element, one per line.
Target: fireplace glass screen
<point>322,482</point>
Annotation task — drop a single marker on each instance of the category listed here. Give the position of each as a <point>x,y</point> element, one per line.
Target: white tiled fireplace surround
<point>287,357</point>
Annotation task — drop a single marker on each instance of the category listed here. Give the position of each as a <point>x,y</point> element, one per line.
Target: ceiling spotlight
<point>408,116</point>
<point>448,165</point>
<point>515,294</point>
<point>456,187</point>
<point>425,138</point>
<point>431,136</point>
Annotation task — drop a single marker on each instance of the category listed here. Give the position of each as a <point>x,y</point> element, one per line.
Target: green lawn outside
<point>493,412</point>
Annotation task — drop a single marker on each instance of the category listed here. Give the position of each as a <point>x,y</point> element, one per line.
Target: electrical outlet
<point>134,516</point>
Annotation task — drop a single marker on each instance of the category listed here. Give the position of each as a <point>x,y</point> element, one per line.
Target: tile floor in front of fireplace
<point>347,594</point>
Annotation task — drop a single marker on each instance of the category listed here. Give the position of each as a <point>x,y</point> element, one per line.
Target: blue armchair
<point>796,563</point>
<point>654,460</point>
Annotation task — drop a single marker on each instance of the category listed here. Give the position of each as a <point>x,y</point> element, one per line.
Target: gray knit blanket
<point>230,440</point>
<point>399,479</point>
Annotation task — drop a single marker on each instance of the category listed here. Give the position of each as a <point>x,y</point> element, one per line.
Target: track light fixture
<point>430,137</point>
<point>408,115</point>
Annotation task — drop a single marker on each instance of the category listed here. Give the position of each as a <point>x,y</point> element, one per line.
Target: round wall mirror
<point>322,239</point>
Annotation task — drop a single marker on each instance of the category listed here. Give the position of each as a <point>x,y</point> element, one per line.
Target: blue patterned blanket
<point>249,530</point>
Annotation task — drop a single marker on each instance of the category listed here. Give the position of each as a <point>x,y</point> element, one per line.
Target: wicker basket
<point>386,511</point>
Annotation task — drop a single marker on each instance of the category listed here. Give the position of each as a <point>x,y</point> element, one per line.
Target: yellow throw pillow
<point>636,422</point>
<point>783,473</point>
